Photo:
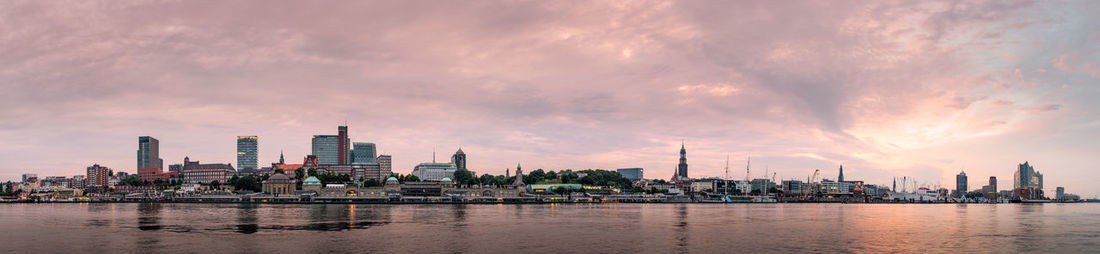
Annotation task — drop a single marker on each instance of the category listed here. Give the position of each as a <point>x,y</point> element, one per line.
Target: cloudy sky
<point>912,88</point>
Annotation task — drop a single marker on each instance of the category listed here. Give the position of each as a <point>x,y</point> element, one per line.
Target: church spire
<point>281,160</point>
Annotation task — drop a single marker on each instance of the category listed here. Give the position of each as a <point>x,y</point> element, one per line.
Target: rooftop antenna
<point>433,154</point>
<point>748,163</point>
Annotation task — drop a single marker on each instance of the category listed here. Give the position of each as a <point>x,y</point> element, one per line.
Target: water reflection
<point>246,219</point>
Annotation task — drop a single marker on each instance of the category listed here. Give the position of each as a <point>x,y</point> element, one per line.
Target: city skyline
<point>921,90</point>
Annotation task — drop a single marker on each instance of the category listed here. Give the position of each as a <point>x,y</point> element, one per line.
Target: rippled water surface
<point>604,228</point>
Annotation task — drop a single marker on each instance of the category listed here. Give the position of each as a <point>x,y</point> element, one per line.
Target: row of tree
<point>592,177</point>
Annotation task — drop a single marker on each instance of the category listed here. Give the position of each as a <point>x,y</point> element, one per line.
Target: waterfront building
<point>1059,192</point>
<point>175,167</point>
<point>682,168</point>
<point>343,146</point>
<point>78,182</point>
<point>279,184</point>
<point>791,187</point>
<point>326,149</point>
<point>1026,179</point>
<point>835,188</point>
<point>247,148</point>
<point>148,153</point>
<point>432,171</point>
<point>362,153</point>
<point>312,184</point>
<point>960,184</point>
<point>549,188</point>
<point>98,176</point>
<point>195,172</point>
<point>459,159</point>
<point>634,174</point>
<point>519,176</point>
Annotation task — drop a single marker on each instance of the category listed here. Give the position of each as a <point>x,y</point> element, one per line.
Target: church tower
<point>682,168</point>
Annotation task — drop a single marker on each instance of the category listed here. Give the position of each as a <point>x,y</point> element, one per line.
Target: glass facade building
<point>634,174</point>
<point>246,152</point>
<point>326,148</point>
<point>362,153</point>
<point>148,153</point>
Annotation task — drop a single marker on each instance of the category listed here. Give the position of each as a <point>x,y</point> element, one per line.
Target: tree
<point>535,176</point>
<point>280,171</point>
<point>464,177</point>
<point>215,184</point>
<point>372,183</point>
<point>562,190</point>
<point>411,178</point>
<point>551,175</point>
<point>568,176</point>
<point>300,174</point>
<point>312,171</point>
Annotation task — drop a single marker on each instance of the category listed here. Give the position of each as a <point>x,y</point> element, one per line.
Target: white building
<point>431,171</point>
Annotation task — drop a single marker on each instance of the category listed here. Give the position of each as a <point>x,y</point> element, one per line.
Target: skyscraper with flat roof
<point>148,153</point>
<point>343,146</point>
<point>362,153</point>
<point>960,184</point>
<point>246,152</point>
<point>326,148</point>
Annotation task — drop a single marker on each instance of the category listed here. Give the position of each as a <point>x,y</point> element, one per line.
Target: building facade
<point>247,148</point>
<point>326,148</point>
<point>634,174</point>
<point>343,146</point>
<point>362,153</point>
<point>1027,177</point>
<point>960,184</point>
<point>148,153</point>
<point>459,159</point>
<point>98,176</point>
<point>279,184</point>
<point>385,163</point>
<point>195,172</point>
<point>431,171</point>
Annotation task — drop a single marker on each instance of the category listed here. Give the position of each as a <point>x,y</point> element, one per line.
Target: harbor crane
<point>810,184</point>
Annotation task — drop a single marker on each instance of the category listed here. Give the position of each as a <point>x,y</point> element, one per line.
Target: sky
<point>923,89</point>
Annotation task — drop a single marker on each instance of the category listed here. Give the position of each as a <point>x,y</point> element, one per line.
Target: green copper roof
<point>391,179</point>
<point>311,181</point>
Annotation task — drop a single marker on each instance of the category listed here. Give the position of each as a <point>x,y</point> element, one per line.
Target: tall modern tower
<point>148,153</point>
<point>459,159</point>
<point>961,184</point>
<point>343,146</point>
<point>325,148</point>
<point>840,177</point>
<point>246,152</point>
<point>682,168</point>
<point>1027,177</point>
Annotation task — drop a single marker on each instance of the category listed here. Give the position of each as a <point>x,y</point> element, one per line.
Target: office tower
<point>343,146</point>
<point>246,152</point>
<point>459,159</point>
<point>960,184</point>
<point>634,174</point>
<point>98,175</point>
<point>993,182</point>
<point>148,153</point>
<point>682,168</point>
<point>326,148</point>
<point>362,153</point>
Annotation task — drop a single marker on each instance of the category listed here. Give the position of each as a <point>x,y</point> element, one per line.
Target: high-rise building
<point>343,146</point>
<point>682,168</point>
<point>98,176</point>
<point>385,163</point>
<point>28,176</point>
<point>1059,193</point>
<point>840,177</point>
<point>634,174</point>
<point>362,153</point>
<point>246,153</point>
<point>1027,177</point>
<point>148,153</point>
<point>326,148</point>
<point>459,159</point>
<point>961,184</point>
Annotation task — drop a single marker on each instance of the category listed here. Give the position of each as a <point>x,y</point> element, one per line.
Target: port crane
<point>810,184</point>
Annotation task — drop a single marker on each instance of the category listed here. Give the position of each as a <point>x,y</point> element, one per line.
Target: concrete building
<point>362,153</point>
<point>195,172</point>
<point>634,174</point>
<point>29,176</point>
<point>154,174</point>
<point>279,184</point>
<point>385,164</point>
<point>148,153</point>
<point>98,176</point>
<point>312,184</point>
<point>431,171</point>
<point>792,187</point>
<point>247,148</point>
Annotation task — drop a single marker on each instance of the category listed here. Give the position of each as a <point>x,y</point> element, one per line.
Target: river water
<point>566,228</point>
